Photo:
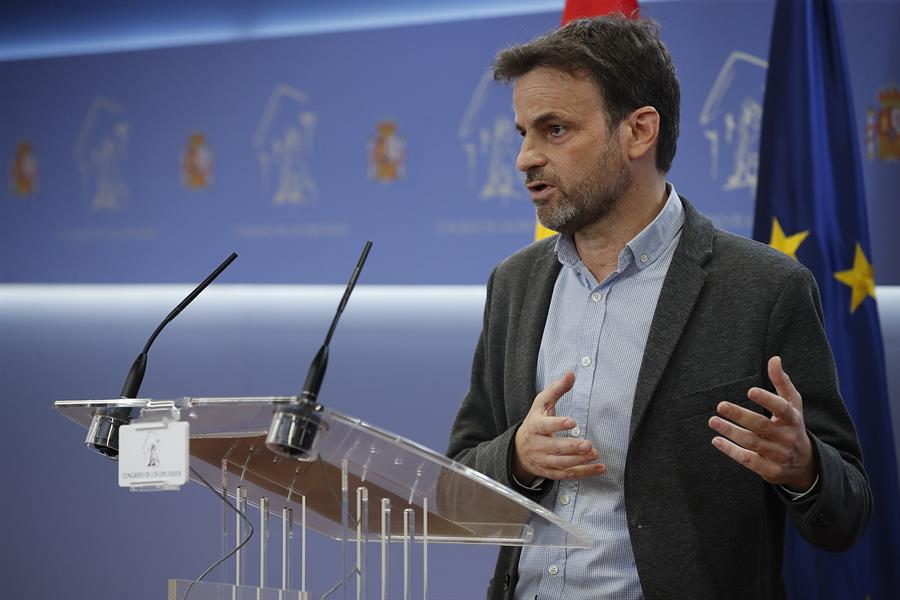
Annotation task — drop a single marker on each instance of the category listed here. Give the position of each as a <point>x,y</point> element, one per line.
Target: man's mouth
<point>539,190</point>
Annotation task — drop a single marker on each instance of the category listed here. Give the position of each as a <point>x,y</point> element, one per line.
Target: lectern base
<point>224,591</point>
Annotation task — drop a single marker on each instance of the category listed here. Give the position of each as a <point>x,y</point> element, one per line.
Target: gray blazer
<point>701,525</point>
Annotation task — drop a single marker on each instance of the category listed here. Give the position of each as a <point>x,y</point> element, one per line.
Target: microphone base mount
<point>297,430</point>
<point>103,434</point>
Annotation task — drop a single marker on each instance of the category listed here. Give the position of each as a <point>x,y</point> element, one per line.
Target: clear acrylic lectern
<point>366,485</point>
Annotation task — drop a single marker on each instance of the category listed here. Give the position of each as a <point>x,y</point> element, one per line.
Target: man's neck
<point>600,243</point>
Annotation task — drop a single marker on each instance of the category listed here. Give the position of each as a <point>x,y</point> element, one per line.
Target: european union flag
<point>811,205</point>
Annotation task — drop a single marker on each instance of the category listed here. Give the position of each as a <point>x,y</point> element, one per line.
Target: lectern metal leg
<point>240,494</point>
<point>287,536</point>
<point>226,512</point>
<point>425,548</point>
<point>409,534</point>
<point>303,590</point>
<point>385,546</point>
<point>263,539</point>
<point>362,539</point>
<point>345,526</point>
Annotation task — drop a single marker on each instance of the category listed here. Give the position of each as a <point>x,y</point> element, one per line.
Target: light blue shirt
<point>598,330</point>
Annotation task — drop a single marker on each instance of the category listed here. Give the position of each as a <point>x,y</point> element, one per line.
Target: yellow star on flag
<point>861,278</point>
<point>786,243</point>
<point>541,232</point>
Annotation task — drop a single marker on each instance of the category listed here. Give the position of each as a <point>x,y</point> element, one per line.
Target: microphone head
<point>297,430</point>
<point>103,434</point>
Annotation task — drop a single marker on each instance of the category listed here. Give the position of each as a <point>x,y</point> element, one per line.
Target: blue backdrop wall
<point>134,154</point>
<point>289,150</point>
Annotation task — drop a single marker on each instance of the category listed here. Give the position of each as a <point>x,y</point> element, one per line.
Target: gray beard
<point>587,202</point>
<point>561,217</point>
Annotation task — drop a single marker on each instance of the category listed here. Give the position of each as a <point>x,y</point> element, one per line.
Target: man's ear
<point>643,131</point>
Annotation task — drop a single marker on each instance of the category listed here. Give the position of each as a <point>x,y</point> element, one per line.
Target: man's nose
<point>530,156</point>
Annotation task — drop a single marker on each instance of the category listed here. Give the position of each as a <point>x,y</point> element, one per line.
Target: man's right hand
<point>539,453</point>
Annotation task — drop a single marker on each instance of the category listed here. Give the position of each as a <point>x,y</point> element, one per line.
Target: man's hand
<point>778,449</point>
<point>539,453</point>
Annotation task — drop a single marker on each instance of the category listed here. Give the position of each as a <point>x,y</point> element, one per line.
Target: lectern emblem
<point>150,447</point>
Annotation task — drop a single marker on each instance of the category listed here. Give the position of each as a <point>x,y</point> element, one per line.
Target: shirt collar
<point>653,240</point>
<point>645,247</point>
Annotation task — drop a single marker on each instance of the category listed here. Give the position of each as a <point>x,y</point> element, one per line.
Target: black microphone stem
<point>348,291</point>
<point>136,374</point>
<point>190,298</point>
<point>320,362</point>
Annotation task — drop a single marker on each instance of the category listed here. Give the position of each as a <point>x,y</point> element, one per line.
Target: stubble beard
<point>587,200</point>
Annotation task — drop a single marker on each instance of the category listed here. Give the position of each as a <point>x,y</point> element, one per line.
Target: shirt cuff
<point>794,496</point>
<point>535,485</point>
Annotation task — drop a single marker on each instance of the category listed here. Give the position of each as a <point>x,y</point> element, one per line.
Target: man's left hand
<point>778,449</point>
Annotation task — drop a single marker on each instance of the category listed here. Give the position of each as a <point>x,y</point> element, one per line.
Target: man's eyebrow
<point>540,120</point>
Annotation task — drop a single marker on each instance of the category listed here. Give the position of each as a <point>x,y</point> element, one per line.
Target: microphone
<point>103,434</point>
<point>294,431</point>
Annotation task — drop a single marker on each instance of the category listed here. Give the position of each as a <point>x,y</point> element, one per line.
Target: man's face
<point>575,167</point>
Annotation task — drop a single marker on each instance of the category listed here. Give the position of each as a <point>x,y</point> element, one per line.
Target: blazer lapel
<point>680,290</point>
<point>531,322</point>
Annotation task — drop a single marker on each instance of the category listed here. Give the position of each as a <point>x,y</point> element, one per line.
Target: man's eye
<point>557,130</point>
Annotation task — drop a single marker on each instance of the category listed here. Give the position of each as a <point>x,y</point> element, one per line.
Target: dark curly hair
<point>625,57</point>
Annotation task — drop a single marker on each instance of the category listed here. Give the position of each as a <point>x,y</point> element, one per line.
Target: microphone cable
<point>233,552</point>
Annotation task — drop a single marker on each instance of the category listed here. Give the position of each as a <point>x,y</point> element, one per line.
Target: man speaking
<point>662,384</point>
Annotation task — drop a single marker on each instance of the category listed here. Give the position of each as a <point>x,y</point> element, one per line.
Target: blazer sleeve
<point>481,437</point>
<point>836,515</point>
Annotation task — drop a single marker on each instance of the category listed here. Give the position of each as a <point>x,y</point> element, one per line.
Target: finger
<point>773,403</point>
<point>542,425</point>
<point>561,462</point>
<point>545,402</point>
<point>755,422</point>
<point>783,384</point>
<point>561,446</point>
<point>746,458</point>
<point>579,472</point>
<point>749,440</point>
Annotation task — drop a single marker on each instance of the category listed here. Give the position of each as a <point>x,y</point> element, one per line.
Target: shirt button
<point>585,361</point>
<point>596,296</point>
<point>553,569</point>
<point>575,431</point>
<point>643,258</point>
<point>564,500</point>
